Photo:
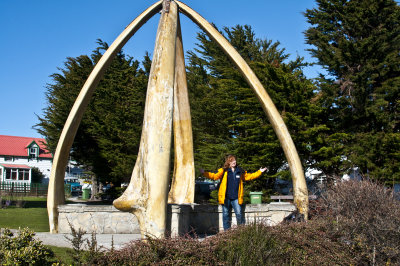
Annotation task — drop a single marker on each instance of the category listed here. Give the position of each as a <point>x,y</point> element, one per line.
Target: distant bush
<point>213,197</point>
<point>23,249</point>
<point>111,193</point>
<point>37,175</point>
<point>368,217</point>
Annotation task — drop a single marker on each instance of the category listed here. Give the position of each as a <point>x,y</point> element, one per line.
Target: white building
<point>18,155</point>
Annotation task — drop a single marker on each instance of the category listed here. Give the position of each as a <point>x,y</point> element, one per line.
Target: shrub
<point>285,244</point>
<point>354,223</point>
<point>309,243</point>
<point>37,175</point>
<point>213,197</point>
<point>168,251</point>
<point>245,245</point>
<point>111,194</point>
<point>368,217</point>
<point>79,254</point>
<point>23,249</point>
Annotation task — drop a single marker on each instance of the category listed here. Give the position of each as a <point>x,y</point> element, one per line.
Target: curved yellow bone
<point>56,185</point>
<point>146,194</point>
<point>299,183</point>
<point>182,185</point>
<point>55,194</point>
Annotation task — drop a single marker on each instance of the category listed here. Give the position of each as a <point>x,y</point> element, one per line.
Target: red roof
<point>18,146</point>
<point>16,166</point>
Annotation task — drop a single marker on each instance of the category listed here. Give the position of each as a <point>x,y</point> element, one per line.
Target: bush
<point>23,249</point>
<point>368,217</point>
<point>354,223</point>
<point>286,244</point>
<point>246,245</point>
<point>79,254</point>
<point>256,244</point>
<point>37,175</point>
<point>213,197</point>
<point>111,193</point>
<point>169,251</point>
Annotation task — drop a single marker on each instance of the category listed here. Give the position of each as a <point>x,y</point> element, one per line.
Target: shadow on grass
<point>36,204</point>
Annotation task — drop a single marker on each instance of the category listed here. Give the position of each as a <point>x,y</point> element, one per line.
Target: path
<point>103,240</point>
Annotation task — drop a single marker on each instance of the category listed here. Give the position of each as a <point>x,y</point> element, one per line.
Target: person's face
<point>232,163</point>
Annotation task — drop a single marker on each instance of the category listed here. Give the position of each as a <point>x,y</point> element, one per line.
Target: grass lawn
<point>62,254</point>
<point>34,215</point>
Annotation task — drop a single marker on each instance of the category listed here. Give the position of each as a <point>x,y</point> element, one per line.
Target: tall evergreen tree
<point>227,116</point>
<point>358,43</point>
<point>108,137</point>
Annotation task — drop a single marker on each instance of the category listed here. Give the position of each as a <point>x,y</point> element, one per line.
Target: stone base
<point>102,219</point>
<point>181,219</point>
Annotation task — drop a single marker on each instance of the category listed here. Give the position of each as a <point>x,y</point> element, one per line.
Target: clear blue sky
<point>37,36</point>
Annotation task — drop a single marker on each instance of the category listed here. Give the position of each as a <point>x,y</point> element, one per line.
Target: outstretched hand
<point>263,169</point>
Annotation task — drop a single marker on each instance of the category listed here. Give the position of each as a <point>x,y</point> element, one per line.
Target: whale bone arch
<point>56,189</point>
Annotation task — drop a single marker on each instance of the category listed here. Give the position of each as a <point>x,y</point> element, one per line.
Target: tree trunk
<point>95,188</point>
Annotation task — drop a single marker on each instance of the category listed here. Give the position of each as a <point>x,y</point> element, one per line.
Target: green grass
<point>62,255</point>
<point>33,215</point>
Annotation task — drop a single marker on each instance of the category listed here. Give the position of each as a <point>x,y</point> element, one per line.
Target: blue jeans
<point>227,213</point>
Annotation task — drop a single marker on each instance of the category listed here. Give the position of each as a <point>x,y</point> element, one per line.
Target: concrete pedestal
<point>181,219</point>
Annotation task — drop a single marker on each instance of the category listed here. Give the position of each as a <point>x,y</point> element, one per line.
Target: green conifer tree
<point>227,115</point>
<point>108,137</point>
<point>358,43</point>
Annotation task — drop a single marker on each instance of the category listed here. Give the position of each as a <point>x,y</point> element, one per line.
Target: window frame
<point>10,172</point>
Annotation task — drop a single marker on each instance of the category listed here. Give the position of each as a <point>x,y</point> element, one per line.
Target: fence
<point>23,189</point>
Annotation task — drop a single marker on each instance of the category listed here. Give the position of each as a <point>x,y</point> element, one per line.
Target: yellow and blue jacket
<point>221,174</point>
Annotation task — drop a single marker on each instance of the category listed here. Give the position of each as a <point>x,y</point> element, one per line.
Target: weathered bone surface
<point>146,195</point>
<point>55,194</point>
<point>182,186</point>
<point>299,184</point>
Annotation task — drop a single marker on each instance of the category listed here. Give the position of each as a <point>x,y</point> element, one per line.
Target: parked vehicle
<point>205,187</point>
<point>75,186</point>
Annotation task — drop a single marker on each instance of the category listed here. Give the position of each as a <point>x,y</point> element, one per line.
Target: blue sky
<point>37,36</point>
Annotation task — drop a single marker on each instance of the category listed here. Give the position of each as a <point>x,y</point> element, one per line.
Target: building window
<point>7,158</point>
<point>23,174</point>
<point>14,174</point>
<point>17,174</point>
<point>26,174</point>
<point>11,173</point>
<point>33,152</point>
